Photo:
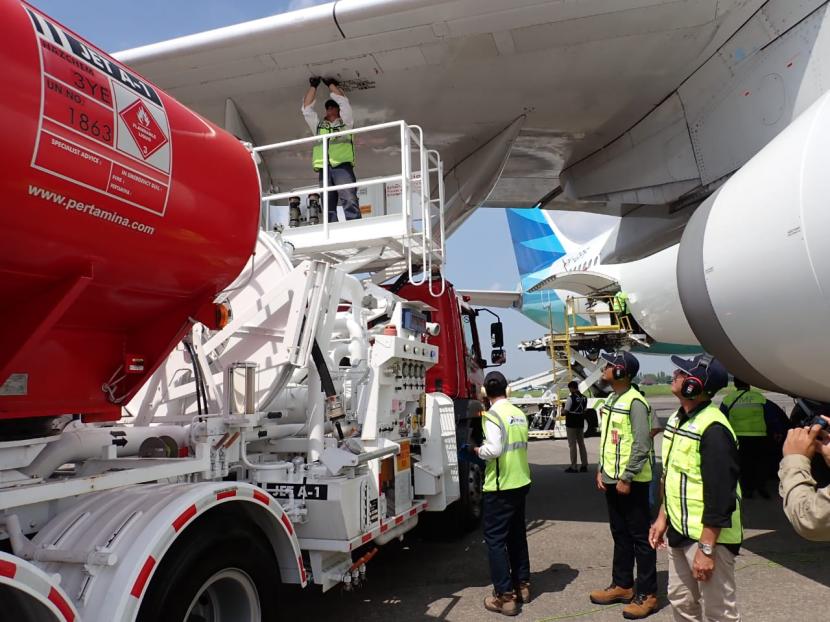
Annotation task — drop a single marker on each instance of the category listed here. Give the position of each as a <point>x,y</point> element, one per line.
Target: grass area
<point>655,390</point>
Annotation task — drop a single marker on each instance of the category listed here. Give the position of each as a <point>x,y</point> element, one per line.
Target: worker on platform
<point>807,507</point>
<point>701,511</point>
<point>619,304</point>
<point>744,408</point>
<point>506,484</point>
<point>341,152</point>
<point>575,407</point>
<point>624,475</point>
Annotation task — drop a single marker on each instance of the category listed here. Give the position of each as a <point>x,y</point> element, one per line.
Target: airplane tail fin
<point>537,241</point>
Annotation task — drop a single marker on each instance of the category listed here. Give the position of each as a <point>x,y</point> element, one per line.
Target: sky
<point>115,25</point>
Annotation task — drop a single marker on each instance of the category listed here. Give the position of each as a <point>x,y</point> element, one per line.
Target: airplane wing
<point>509,92</point>
<point>486,298</point>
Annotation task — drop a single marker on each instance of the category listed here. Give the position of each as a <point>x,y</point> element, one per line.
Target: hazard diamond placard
<point>146,132</point>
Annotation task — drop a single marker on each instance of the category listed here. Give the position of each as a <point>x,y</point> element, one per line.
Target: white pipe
<point>314,414</point>
<point>86,442</point>
<point>359,343</point>
<point>282,431</point>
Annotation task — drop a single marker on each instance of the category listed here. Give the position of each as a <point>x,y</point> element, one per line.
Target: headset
<point>618,371</point>
<point>692,385</point>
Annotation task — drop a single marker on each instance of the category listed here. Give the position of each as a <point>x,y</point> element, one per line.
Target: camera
<point>821,422</point>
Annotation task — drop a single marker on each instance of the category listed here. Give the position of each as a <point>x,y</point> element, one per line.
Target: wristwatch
<point>707,549</point>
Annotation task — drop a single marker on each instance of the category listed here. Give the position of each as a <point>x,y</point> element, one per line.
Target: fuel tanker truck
<point>196,413</point>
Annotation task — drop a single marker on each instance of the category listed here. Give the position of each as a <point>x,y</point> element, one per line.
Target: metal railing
<point>421,228</point>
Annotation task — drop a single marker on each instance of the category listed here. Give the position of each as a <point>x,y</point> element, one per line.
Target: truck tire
<point>591,423</point>
<point>469,504</point>
<point>224,570</point>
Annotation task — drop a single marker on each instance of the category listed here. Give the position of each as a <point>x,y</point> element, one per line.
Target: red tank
<point>122,213</point>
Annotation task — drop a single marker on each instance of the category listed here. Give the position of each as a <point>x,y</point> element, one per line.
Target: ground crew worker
<point>807,508</point>
<point>341,151</point>
<point>701,513</point>
<point>745,410</point>
<point>624,476</point>
<point>619,304</point>
<point>575,427</point>
<point>506,484</point>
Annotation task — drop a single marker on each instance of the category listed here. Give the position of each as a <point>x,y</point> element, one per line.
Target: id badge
<point>615,437</point>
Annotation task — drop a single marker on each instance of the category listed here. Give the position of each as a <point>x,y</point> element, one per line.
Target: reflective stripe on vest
<point>510,470</point>
<point>617,438</point>
<point>341,149</point>
<point>745,411</point>
<point>684,480</point>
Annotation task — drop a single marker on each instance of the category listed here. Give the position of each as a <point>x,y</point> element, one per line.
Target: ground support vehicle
<point>241,409</point>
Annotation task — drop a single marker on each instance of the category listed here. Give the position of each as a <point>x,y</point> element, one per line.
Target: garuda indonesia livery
<point>552,267</point>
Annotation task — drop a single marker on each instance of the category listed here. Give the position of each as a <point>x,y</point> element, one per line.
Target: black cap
<point>330,103</point>
<point>710,371</point>
<point>495,384</point>
<point>628,360</point>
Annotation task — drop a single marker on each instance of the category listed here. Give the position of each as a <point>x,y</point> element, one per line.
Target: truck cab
<point>459,374</point>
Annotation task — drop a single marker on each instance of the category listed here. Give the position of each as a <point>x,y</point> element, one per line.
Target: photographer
<point>807,508</point>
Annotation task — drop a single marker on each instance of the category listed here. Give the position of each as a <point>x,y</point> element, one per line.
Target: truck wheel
<point>220,571</point>
<point>591,423</point>
<point>471,479</point>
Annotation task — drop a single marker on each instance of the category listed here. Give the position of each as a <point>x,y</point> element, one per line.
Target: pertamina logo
<point>144,129</point>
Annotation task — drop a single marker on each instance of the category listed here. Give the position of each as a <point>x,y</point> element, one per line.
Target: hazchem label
<point>101,126</point>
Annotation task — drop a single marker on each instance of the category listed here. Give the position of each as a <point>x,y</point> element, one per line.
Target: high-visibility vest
<point>745,411</point>
<point>619,304</point>
<point>511,469</point>
<point>341,149</point>
<point>618,435</point>
<point>684,480</point>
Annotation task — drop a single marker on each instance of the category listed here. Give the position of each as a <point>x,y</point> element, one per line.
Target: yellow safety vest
<point>618,435</point>
<point>684,480</point>
<point>745,411</point>
<point>341,149</point>
<point>511,469</point>
<point>619,304</point>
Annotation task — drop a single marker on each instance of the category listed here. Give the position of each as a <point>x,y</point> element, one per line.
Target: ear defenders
<point>619,371</point>
<point>693,386</point>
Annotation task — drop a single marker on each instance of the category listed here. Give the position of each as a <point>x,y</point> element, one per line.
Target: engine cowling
<point>754,263</point>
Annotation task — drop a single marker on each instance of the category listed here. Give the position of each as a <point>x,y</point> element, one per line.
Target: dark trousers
<point>505,533</point>
<point>753,452</point>
<point>343,174</point>
<point>630,522</point>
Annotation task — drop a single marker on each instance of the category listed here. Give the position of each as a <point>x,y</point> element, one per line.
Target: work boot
<point>524,592</point>
<point>642,606</point>
<point>506,603</point>
<point>583,469</point>
<point>571,469</point>
<point>612,594</point>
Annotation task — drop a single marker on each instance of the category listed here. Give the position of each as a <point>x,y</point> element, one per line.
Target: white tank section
<point>754,265</point>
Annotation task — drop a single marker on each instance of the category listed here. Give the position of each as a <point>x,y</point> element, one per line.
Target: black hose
<point>197,379</point>
<point>323,370</point>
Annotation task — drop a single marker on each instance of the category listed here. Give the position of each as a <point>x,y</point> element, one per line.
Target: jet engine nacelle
<point>754,263</point>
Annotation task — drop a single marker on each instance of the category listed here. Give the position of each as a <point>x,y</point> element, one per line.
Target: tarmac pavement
<point>780,577</point>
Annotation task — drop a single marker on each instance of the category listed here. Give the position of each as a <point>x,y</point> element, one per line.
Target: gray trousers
<point>577,436</point>
<point>702,601</point>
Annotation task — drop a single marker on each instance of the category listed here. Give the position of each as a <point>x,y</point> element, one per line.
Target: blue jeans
<point>505,533</point>
<point>342,174</point>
